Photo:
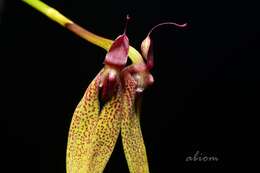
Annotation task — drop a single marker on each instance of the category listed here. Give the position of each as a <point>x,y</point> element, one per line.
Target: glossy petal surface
<point>118,52</point>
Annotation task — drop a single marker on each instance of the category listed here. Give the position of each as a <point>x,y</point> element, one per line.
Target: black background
<point>205,96</point>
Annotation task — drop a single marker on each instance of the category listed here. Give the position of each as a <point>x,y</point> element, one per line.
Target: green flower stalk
<point>56,16</point>
<point>94,130</point>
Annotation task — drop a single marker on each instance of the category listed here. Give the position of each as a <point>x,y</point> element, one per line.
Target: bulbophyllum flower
<point>94,129</point>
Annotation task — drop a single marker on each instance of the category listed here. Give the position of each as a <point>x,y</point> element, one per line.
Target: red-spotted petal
<point>93,133</point>
<point>105,134</point>
<point>132,139</point>
<point>83,122</point>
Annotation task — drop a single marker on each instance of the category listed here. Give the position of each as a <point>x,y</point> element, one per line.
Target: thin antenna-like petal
<point>83,122</point>
<point>132,138</point>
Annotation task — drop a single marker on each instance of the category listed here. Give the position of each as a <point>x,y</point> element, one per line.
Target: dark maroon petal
<point>109,84</point>
<point>140,74</point>
<point>104,89</point>
<point>118,52</point>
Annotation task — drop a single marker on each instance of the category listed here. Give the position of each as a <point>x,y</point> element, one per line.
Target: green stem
<point>48,11</point>
<point>56,16</point>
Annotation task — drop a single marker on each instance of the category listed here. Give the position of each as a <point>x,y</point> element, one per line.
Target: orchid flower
<point>94,130</point>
